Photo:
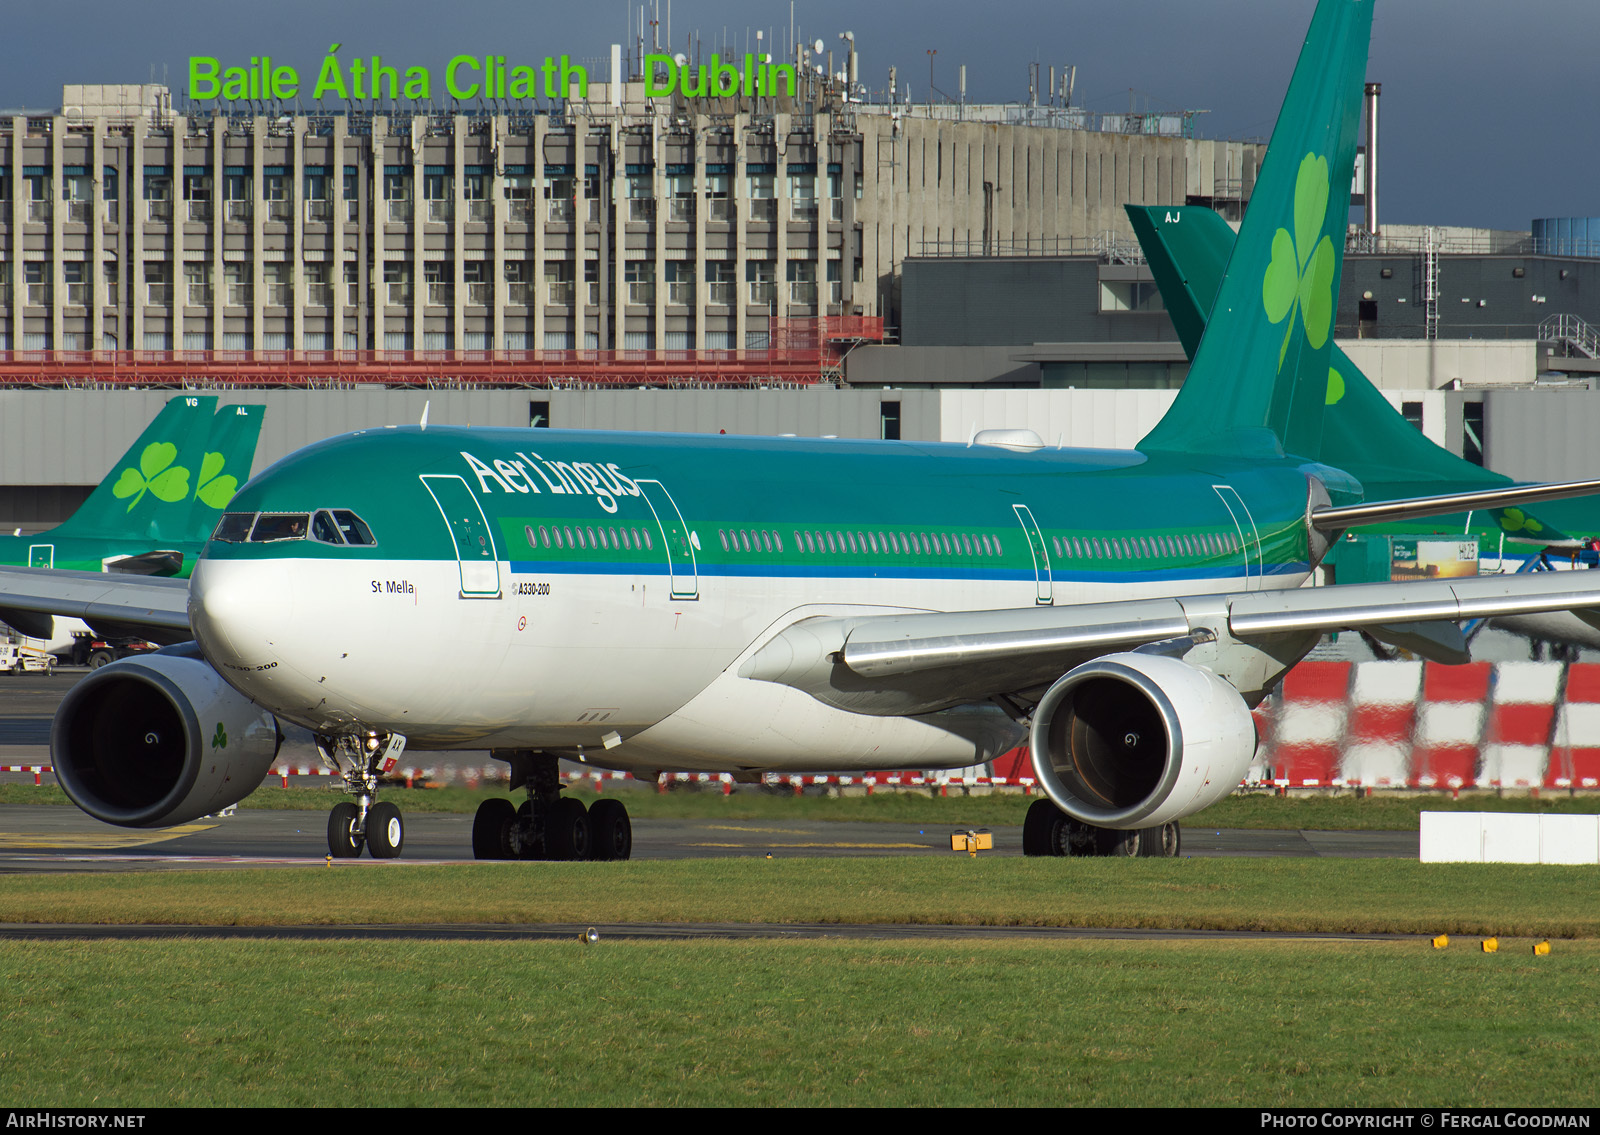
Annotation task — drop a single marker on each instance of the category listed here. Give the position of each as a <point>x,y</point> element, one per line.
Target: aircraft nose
<point>237,609</point>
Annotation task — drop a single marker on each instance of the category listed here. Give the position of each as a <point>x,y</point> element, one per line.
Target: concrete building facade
<point>619,224</point>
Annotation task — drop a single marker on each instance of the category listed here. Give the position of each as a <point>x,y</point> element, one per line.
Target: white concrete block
<point>1452,837</point>
<point>1510,837</point>
<point>1376,764</point>
<point>1310,722</point>
<point>1569,839</point>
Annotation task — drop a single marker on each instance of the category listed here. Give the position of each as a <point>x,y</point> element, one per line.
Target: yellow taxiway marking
<point>106,841</point>
<point>756,830</point>
<point>857,846</point>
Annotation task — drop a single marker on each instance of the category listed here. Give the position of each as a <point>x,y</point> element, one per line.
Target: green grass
<point>935,1024</point>
<point>1349,811</point>
<point>1357,896</point>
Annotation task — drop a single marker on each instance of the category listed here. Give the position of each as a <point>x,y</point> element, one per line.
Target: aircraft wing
<point>915,663</point>
<point>148,607</point>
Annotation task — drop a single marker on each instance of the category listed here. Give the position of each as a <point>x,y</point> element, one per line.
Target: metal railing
<point>158,295</point>
<point>198,210</point>
<point>40,295</point>
<point>522,295</point>
<point>241,295</point>
<point>803,208</point>
<point>198,295</point>
<point>480,211</point>
<point>399,295</point>
<point>642,293</point>
<point>78,212</point>
<point>319,295</point>
<point>520,210</point>
<point>763,292</point>
<point>1574,331</point>
<point>1114,248</point>
<point>680,208</point>
<point>763,208</point>
<point>680,293</point>
<point>80,295</point>
<point>442,210</point>
<point>280,295</point>
<point>480,293</point>
<point>239,211</point>
<point>561,209</point>
<point>719,209</point>
<point>319,212</point>
<point>803,292</point>
<point>155,210</point>
<point>836,208</point>
<point>441,295</point>
<point>558,292</point>
<point>721,294</point>
<point>352,211</point>
<point>399,212</point>
<point>641,208</point>
<point>279,210</point>
<point>801,351</point>
<point>39,212</point>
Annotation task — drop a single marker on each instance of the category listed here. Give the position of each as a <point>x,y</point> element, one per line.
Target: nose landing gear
<point>548,825</point>
<point>361,759</point>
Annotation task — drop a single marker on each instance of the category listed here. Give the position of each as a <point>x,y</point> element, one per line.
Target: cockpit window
<point>355,529</point>
<point>271,526</point>
<point>323,528</point>
<point>234,528</point>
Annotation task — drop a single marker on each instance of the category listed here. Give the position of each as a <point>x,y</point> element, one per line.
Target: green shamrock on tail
<point>1515,520</point>
<point>1300,276</point>
<point>219,740</point>
<point>214,490</point>
<point>170,485</point>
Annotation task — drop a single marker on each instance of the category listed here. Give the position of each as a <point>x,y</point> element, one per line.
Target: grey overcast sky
<point>1490,110</point>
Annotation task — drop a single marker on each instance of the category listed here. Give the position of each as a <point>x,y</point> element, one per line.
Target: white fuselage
<point>609,666</point>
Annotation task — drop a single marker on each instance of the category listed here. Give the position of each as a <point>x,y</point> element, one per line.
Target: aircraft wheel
<point>386,834</point>
<point>1040,835</point>
<point>567,836</point>
<point>343,842</point>
<point>610,830</point>
<point>491,829</point>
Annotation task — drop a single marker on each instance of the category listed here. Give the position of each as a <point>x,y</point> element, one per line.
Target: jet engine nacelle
<point>159,740</point>
<point>1137,740</point>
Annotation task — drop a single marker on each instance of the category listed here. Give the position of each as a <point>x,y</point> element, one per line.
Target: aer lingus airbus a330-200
<point>743,604</point>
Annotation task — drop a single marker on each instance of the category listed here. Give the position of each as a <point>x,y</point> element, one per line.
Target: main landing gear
<point>1050,831</point>
<point>364,822</point>
<point>548,825</point>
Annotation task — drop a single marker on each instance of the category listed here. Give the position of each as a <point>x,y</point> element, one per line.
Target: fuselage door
<point>470,531</point>
<point>1249,538</point>
<point>1043,593</point>
<point>42,555</point>
<point>675,539</point>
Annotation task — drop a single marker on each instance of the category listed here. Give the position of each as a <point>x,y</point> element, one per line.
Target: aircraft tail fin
<point>224,466</point>
<point>1261,376</point>
<point>147,494</point>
